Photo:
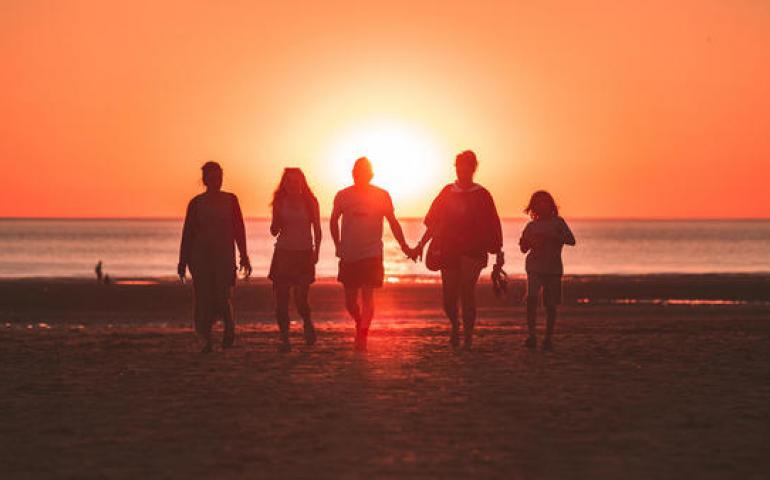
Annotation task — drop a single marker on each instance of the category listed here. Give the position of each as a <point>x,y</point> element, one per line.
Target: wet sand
<point>107,382</point>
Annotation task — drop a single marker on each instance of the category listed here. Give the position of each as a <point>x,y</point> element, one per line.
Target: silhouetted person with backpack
<point>297,225</point>
<point>463,227</point>
<point>212,227</point>
<point>358,243</point>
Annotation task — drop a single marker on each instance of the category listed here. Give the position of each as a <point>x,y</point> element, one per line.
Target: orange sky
<point>621,109</point>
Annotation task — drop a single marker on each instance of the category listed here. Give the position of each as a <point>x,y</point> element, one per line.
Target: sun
<point>407,158</point>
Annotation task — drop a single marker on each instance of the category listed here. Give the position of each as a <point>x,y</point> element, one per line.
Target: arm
<point>398,233</point>
<point>569,238</point>
<point>240,237</point>
<point>524,243</point>
<point>187,238</point>
<point>275,225</point>
<point>334,227</point>
<point>316,231</point>
<point>431,220</point>
<point>496,244</point>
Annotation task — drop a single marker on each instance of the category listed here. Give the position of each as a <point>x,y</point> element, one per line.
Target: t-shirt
<point>213,224</point>
<point>295,226</point>
<point>545,238</point>
<point>363,208</point>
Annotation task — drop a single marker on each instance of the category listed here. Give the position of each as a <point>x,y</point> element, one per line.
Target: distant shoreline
<point>410,218</point>
<point>144,299</point>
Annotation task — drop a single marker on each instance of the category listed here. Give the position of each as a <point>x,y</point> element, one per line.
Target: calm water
<point>137,248</point>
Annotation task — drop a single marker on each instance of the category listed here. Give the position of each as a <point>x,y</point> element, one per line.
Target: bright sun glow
<point>407,159</point>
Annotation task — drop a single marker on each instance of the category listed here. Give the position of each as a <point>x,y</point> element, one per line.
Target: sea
<point>148,248</point>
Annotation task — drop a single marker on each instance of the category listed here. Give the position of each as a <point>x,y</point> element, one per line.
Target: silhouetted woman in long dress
<point>296,224</point>
<point>212,227</point>
<point>465,227</point>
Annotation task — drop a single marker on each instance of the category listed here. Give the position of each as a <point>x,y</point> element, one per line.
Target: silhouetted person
<point>107,279</point>
<point>464,227</point>
<point>98,271</point>
<point>543,238</point>
<point>212,227</point>
<point>358,245</point>
<point>296,222</point>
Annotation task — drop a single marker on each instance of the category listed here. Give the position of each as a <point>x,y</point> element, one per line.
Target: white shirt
<point>363,208</point>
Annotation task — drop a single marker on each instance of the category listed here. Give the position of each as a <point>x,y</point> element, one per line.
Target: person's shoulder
<point>379,191</point>
<point>343,193</point>
<point>481,190</point>
<point>196,199</point>
<point>529,224</point>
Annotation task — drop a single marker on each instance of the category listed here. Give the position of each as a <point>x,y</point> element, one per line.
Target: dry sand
<point>111,386</point>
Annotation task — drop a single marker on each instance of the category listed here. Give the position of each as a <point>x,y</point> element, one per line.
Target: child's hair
<point>541,205</point>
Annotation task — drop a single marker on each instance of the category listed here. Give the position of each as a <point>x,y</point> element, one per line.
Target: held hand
<point>419,251</point>
<point>337,251</point>
<point>316,253</point>
<point>245,267</point>
<point>415,253</point>
<point>181,270</point>
<point>410,253</point>
<point>500,260</point>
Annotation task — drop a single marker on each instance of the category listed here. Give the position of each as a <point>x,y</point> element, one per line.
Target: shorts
<point>367,272</point>
<point>293,267</point>
<point>464,272</point>
<point>549,283</point>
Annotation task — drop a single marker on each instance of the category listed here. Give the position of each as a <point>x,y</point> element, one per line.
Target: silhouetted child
<point>543,238</point>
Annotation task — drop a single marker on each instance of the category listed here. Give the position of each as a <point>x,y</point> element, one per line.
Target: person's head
<point>541,205</point>
<point>212,175</point>
<point>362,171</point>
<point>465,166</point>
<point>293,182</point>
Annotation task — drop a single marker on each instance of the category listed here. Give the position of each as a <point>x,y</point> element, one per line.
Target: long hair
<point>307,194</point>
<point>542,205</point>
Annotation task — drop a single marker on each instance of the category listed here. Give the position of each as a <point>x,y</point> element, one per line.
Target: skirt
<point>295,267</point>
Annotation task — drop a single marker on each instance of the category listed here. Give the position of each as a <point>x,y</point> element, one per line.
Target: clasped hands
<point>413,253</point>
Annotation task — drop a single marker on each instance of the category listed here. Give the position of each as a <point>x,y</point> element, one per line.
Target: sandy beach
<point>106,382</point>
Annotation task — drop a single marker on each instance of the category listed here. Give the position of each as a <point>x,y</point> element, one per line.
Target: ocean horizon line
<point>405,217</point>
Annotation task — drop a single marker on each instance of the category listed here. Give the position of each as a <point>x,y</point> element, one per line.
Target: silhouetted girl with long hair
<point>543,237</point>
<point>296,224</point>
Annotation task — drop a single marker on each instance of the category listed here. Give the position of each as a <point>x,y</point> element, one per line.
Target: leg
<point>533,289</point>
<point>351,304</point>
<point>303,307</point>
<point>469,275</point>
<point>367,313</point>
<point>551,298</point>
<point>550,323</point>
<point>228,319</point>
<point>281,294</point>
<point>203,310</point>
<point>450,287</point>
<point>367,307</point>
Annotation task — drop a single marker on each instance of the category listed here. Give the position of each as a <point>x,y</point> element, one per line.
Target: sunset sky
<point>620,109</point>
